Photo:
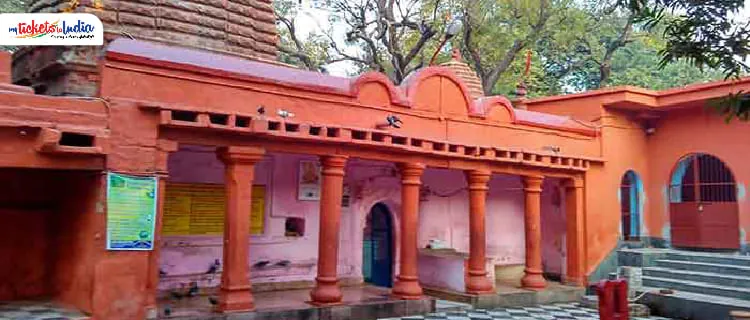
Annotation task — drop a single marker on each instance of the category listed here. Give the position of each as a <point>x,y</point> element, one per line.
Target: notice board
<point>131,211</point>
<point>198,209</point>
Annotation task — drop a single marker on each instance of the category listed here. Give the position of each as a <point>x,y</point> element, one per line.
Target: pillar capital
<point>478,179</point>
<point>532,183</point>
<point>333,165</point>
<point>411,168</point>
<point>240,155</point>
<point>574,182</point>
<point>411,173</point>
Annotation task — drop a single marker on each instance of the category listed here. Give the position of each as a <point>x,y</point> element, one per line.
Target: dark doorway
<point>377,247</point>
<point>703,204</point>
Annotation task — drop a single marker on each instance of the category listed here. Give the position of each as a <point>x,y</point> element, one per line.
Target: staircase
<point>704,273</point>
<point>705,286</point>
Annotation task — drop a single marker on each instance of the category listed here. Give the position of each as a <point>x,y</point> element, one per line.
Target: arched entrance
<point>377,247</point>
<point>703,204</point>
<point>631,189</point>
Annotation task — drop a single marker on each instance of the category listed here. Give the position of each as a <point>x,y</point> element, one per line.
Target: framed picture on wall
<point>308,187</point>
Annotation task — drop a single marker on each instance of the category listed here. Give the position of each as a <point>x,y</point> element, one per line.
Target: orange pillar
<point>326,291</point>
<point>477,282</point>
<point>533,278</point>
<point>407,285</point>
<point>575,234</point>
<point>239,162</point>
<point>152,284</point>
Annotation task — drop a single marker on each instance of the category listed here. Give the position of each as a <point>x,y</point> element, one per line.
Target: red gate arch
<point>703,204</point>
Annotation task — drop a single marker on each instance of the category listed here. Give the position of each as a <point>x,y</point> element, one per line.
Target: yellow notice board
<point>198,209</point>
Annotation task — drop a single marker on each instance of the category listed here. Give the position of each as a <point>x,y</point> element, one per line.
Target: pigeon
<point>214,267</point>
<point>176,295</point>
<point>213,300</point>
<point>283,263</point>
<point>193,291</point>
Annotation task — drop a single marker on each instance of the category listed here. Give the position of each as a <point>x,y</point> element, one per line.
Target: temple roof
<point>199,61</point>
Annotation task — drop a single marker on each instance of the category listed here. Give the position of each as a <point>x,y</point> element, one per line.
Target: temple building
<point>270,181</point>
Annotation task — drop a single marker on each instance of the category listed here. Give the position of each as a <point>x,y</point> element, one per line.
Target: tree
<point>390,35</point>
<point>582,53</point>
<point>310,52</point>
<point>706,34</point>
<point>576,45</point>
<point>496,32</point>
<point>636,64</point>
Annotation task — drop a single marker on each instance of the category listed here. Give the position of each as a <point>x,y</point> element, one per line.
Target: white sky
<point>315,20</point>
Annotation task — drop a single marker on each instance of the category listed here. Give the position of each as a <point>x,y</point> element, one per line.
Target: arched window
<point>703,210</point>
<point>701,177</point>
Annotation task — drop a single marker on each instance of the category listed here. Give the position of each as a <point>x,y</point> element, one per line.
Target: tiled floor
<point>571,311</point>
<point>268,301</point>
<point>37,310</point>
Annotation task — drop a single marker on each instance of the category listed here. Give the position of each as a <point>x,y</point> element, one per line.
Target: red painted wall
<point>696,130</point>
<point>46,236</point>
<point>26,206</point>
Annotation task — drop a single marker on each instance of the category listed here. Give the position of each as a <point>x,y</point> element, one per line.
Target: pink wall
<point>553,227</point>
<point>444,216</point>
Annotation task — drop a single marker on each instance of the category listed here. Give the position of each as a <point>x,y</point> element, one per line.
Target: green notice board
<point>131,212</point>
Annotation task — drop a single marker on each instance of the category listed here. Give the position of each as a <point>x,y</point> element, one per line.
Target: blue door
<point>377,247</point>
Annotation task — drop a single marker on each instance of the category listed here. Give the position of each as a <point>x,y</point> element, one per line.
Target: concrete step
<point>717,258</point>
<point>698,287</point>
<point>689,305</point>
<point>725,269</point>
<point>707,277</point>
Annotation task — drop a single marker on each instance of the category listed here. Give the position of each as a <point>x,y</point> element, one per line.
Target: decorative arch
<point>496,109</point>
<point>453,97</point>
<point>631,205</point>
<point>703,207</point>
<point>376,89</point>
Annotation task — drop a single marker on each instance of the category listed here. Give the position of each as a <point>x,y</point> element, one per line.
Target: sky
<point>315,20</point>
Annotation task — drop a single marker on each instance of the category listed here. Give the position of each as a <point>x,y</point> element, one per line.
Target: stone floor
<point>269,301</point>
<point>37,310</point>
<point>571,311</point>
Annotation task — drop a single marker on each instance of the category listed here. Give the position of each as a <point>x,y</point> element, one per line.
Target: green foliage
<point>637,64</point>
<point>576,45</point>
<point>705,33</point>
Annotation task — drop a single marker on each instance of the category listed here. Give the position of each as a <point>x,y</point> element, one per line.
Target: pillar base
<point>407,288</point>
<point>235,300</point>
<point>533,281</point>
<point>478,283</point>
<point>326,292</point>
<point>577,282</point>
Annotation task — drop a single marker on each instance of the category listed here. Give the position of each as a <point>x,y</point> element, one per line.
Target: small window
<point>294,227</point>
